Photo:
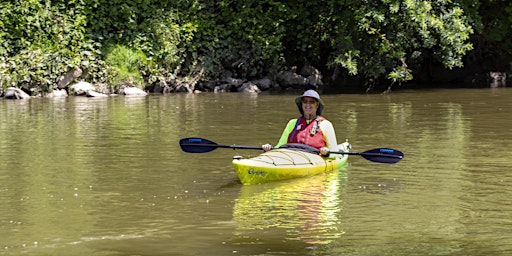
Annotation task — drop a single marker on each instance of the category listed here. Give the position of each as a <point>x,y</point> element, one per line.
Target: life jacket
<point>309,134</point>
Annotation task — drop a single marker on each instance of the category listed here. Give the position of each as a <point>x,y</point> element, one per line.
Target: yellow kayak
<point>290,160</point>
<point>287,163</point>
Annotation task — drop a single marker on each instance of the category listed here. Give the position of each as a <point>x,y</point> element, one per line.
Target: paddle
<point>200,145</point>
<point>379,155</point>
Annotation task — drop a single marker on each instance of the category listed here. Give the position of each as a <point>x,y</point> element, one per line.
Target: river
<point>91,176</point>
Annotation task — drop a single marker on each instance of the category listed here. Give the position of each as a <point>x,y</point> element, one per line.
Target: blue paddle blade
<point>197,145</point>
<point>383,155</point>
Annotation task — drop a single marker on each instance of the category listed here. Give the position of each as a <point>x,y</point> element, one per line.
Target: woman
<point>310,128</point>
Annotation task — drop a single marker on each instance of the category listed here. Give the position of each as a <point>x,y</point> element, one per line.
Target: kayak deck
<point>284,163</point>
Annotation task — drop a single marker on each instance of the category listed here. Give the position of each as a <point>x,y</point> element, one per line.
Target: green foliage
<point>160,29</point>
<point>399,74</point>
<point>39,44</point>
<point>125,65</point>
<point>391,35</point>
<point>165,41</point>
<point>244,36</point>
<point>493,22</point>
<point>144,41</point>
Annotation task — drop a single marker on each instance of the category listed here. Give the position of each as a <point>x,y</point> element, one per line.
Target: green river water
<point>86,176</point>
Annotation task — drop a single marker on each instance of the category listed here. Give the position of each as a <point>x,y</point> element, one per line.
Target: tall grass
<point>126,66</point>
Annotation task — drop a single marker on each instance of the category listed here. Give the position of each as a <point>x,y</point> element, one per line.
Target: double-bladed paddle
<point>379,155</point>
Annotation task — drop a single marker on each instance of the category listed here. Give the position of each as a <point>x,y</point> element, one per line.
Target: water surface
<point>85,176</point>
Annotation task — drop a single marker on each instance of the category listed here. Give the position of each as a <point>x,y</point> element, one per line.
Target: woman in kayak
<point>311,128</point>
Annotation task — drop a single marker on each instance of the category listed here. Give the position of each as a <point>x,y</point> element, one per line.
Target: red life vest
<point>309,134</point>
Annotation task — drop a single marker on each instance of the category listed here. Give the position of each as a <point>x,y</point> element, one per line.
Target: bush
<point>125,66</point>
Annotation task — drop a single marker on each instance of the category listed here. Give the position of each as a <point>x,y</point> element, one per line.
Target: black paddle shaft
<point>200,145</point>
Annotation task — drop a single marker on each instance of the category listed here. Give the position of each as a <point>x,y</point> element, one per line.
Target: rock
<point>263,84</point>
<point>233,81</point>
<point>15,93</point>
<point>249,88</point>
<point>159,87</point>
<point>69,77</point>
<point>290,79</point>
<point>94,94</point>
<point>222,88</point>
<point>313,75</point>
<point>315,80</point>
<point>102,88</point>
<point>498,79</point>
<point>130,91</point>
<point>308,70</point>
<point>81,88</point>
<point>57,94</point>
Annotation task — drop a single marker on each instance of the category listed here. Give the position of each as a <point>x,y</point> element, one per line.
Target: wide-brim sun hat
<point>312,94</point>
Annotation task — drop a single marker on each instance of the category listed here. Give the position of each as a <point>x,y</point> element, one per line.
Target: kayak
<point>288,162</point>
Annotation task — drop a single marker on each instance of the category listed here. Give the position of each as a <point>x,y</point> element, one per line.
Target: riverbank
<point>307,77</point>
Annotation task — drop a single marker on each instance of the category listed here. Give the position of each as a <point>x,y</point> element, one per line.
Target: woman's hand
<point>324,151</point>
<point>266,147</point>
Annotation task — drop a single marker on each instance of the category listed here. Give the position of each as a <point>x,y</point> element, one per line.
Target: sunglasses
<point>309,101</point>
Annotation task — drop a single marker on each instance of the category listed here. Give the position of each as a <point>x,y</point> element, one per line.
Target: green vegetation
<point>141,42</point>
<point>126,65</point>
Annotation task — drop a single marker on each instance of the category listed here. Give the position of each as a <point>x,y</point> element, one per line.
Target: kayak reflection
<point>306,209</point>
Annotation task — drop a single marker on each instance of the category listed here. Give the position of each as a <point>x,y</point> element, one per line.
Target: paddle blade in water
<point>383,155</point>
<point>197,145</point>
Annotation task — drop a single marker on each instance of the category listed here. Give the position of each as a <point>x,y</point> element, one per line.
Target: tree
<point>392,36</point>
<point>383,42</point>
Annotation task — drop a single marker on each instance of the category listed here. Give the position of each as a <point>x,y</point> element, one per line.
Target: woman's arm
<point>286,132</point>
<point>329,135</point>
